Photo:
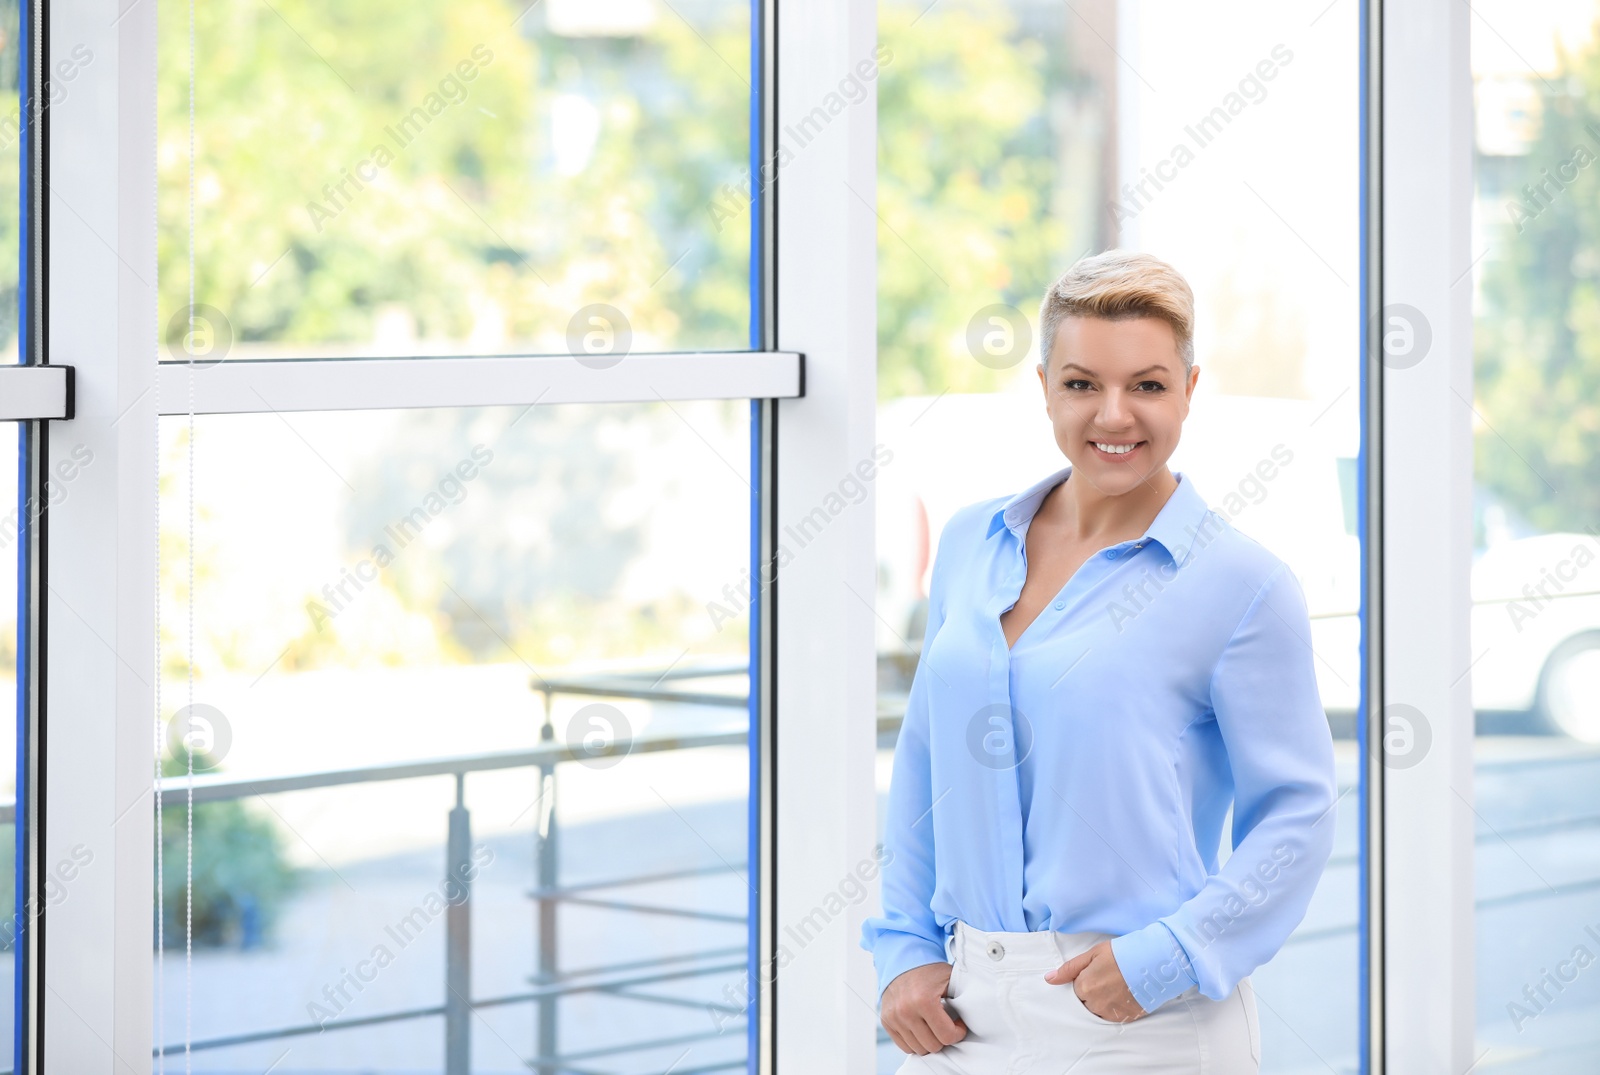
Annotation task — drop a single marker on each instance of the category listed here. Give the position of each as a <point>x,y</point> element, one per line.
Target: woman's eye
<point>1080,385</point>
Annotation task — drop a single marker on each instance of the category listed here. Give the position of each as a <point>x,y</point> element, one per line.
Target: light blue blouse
<point>1079,780</point>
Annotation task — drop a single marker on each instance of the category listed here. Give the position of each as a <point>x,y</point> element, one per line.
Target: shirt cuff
<point>1154,965</point>
<point>894,953</point>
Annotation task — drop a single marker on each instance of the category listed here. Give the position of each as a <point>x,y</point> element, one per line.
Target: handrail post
<point>545,857</point>
<point>458,938</point>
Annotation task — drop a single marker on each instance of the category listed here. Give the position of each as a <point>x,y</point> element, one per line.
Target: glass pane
<point>1019,135</point>
<point>1535,576</point>
<point>386,599</point>
<point>10,617</point>
<point>488,176</point>
<point>11,173</point>
<point>12,516</point>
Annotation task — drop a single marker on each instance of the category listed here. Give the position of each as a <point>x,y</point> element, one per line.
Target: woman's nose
<point>1114,412</point>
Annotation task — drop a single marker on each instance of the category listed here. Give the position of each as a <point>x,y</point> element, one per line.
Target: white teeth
<point>1116,449</point>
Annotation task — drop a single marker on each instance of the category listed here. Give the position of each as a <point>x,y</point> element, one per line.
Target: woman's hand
<point>913,1010</point>
<point>1098,982</point>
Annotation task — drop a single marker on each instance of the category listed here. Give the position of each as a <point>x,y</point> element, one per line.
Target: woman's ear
<point>1194,376</point>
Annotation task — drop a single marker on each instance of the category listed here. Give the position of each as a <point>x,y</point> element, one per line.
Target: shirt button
<point>1060,605</point>
<point>996,950</point>
<point>1110,553</point>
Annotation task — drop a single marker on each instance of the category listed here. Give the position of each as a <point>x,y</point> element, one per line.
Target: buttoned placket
<point>1008,792</point>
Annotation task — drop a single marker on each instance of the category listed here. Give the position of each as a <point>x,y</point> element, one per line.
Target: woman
<point>1107,666</point>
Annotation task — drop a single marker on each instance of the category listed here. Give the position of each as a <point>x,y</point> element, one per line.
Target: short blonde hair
<point>1116,285</point>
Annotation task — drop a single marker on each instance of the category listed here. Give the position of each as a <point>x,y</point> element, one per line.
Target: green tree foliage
<point>1537,333</point>
<point>466,219</point>
<point>967,167</point>
<point>10,175</point>
<point>544,534</point>
<point>481,230</point>
<point>241,874</point>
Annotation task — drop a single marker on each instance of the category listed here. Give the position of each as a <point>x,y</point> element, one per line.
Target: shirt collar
<point>1183,522</point>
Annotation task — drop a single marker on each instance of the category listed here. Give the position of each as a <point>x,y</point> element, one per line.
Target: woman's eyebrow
<point>1135,373</point>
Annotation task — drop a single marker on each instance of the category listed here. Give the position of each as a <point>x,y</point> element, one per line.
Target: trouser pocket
<point>1247,997</point>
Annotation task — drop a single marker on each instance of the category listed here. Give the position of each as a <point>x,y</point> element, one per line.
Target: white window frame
<point>93,1005</point>
<point>1419,543</point>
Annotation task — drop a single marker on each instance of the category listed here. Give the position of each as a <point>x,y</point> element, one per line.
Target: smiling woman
<point>1065,763</point>
<point>1135,314</point>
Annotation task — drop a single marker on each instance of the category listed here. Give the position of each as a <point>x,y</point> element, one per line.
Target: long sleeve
<point>1270,717</point>
<point>907,934</point>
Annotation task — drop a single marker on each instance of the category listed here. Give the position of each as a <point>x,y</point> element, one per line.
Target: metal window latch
<point>34,392</point>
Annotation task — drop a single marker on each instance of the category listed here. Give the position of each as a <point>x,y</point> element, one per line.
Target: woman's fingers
<point>914,1014</point>
<point>1073,967</point>
<point>924,1031</point>
<point>948,1030</point>
<point>927,1040</point>
<point>902,1027</point>
<point>899,1042</point>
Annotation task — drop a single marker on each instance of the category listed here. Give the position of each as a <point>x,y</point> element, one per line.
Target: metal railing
<point>550,984</point>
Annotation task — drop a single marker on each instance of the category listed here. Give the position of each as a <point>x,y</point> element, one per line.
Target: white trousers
<point>1019,1024</point>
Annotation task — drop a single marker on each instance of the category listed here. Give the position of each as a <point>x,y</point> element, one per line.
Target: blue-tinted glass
<point>487,176</point>
<point>1535,628</point>
<point>385,599</point>
<point>1016,136</point>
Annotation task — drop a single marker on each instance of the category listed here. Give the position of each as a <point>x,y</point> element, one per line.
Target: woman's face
<point>1117,396</point>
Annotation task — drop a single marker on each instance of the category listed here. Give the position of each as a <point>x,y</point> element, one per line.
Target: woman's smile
<point>1117,451</point>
